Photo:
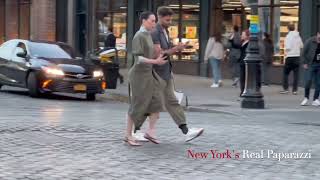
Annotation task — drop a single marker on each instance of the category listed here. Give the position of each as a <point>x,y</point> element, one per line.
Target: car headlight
<point>97,74</point>
<point>53,71</point>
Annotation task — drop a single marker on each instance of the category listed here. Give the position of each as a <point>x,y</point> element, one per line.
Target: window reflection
<point>112,15</point>
<point>283,12</point>
<point>185,26</point>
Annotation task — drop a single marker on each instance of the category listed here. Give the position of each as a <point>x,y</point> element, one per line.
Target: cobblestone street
<point>70,138</point>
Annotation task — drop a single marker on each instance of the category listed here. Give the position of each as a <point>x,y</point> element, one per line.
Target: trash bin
<point>111,72</point>
<point>107,59</point>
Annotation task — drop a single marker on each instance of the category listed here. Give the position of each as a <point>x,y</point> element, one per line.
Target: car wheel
<point>91,97</point>
<point>33,85</point>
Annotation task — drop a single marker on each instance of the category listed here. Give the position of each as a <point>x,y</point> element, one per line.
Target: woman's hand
<point>160,60</point>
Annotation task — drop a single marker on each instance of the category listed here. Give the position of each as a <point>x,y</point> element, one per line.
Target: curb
<point>200,109</point>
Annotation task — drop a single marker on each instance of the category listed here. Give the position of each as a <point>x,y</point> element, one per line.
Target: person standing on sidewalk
<point>215,54</point>
<point>110,43</point>
<point>245,37</point>
<point>311,65</point>
<point>234,55</point>
<point>145,84</point>
<point>266,52</point>
<point>293,45</point>
<point>162,43</point>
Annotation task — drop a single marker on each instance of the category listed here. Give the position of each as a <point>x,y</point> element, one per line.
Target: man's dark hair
<point>164,11</point>
<point>236,28</point>
<point>291,27</point>
<point>145,15</point>
<point>110,28</point>
<point>217,37</point>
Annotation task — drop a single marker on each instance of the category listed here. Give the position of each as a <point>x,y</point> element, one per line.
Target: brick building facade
<point>28,19</point>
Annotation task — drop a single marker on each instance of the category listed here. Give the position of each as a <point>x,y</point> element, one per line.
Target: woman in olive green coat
<point>144,82</point>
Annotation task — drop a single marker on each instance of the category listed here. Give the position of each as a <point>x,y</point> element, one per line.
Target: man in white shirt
<point>293,45</point>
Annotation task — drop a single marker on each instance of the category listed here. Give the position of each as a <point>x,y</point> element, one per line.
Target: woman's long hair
<point>267,38</point>
<point>217,37</point>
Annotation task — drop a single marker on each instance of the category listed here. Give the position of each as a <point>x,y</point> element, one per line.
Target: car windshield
<point>47,50</point>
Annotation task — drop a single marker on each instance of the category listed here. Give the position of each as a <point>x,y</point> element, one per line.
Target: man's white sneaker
<point>316,102</point>
<point>304,102</point>
<point>214,85</point>
<point>193,133</point>
<point>139,136</point>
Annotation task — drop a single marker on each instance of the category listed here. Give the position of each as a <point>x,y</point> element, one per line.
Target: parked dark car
<point>43,67</point>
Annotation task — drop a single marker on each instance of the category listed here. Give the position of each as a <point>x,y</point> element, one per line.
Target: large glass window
<point>185,26</point>
<point>112,15</point>
<point>284,15</point>
<point>274,16</point>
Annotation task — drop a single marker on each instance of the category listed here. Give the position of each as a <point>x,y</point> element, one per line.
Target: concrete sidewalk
<point>224,99</point>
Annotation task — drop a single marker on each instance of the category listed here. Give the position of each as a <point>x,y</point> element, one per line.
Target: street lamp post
<point>252,96</point>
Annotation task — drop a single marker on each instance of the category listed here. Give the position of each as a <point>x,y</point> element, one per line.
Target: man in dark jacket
<point>266,52</point>
<point>110,43</point>
<point>234,55</point>
<point>311,64</point>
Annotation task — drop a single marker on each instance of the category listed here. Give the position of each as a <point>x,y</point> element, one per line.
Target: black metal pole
<point>252,96</point>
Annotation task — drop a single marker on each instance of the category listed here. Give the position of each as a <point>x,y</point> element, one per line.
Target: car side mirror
<point>21,52</point>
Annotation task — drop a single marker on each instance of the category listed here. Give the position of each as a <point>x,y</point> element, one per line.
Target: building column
<point>305,23</point>
<point>71,23</point>
<point>205,24</point>
<point>43,20</point>
<point>130,31</point>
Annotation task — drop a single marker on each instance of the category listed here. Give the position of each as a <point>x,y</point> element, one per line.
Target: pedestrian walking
<point>110,43</point>
<point>311,65</point>
<point>266,53</point>
<point>245,36</point>
<point>293,45</point>
<point>214,53</point>
<point>161,40</point>
<point>144,81</point>
<point>234,55</point>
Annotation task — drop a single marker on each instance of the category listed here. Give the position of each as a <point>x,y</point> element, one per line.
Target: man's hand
<point>181,46</point>
<point>305,66</point>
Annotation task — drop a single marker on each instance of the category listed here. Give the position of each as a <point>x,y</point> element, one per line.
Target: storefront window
<point>185,26</point>
<point>190,29</point>
<point>284,16</point>
<point>284,12</point>
<point>112,15</point>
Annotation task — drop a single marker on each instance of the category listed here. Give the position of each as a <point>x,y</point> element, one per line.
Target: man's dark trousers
<point>312,73</point>
<point>292,64</point>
